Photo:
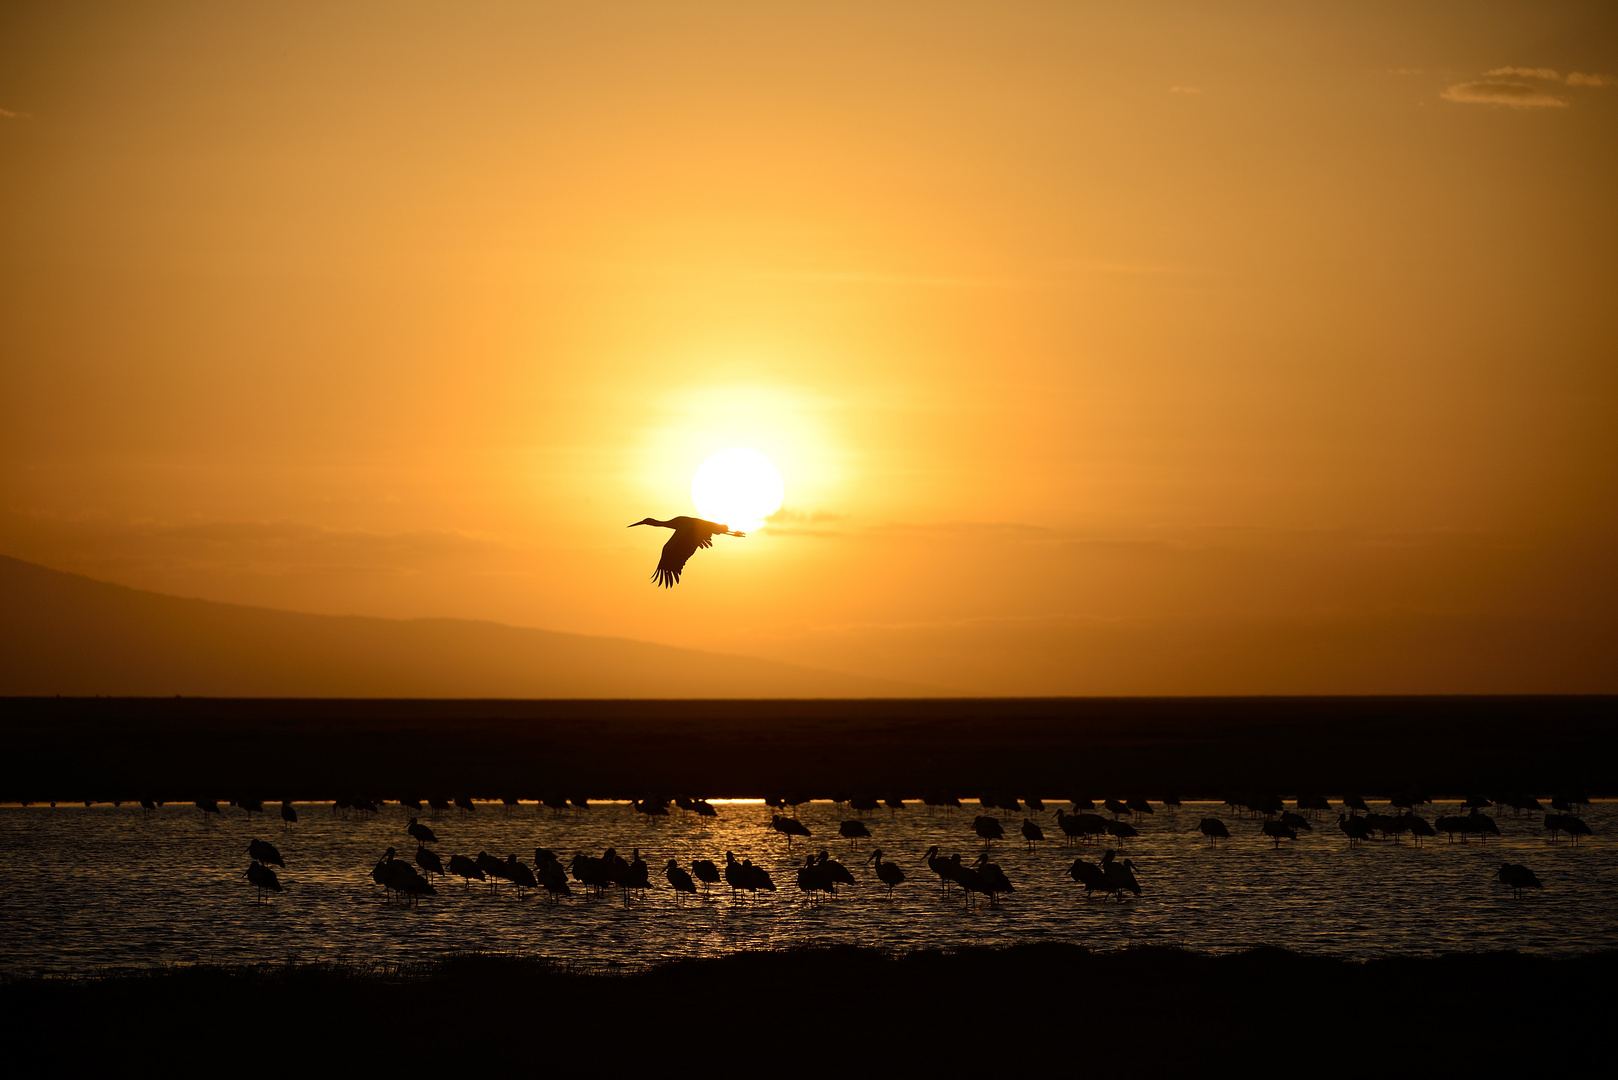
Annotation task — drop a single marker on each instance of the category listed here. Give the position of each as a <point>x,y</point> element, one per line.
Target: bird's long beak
<point>632,524</point>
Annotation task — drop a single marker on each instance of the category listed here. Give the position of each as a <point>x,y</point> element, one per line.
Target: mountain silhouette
<point>65,634</point>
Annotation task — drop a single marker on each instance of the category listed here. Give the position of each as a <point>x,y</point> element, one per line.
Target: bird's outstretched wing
<point>689,535</point>
<point>680,547</point>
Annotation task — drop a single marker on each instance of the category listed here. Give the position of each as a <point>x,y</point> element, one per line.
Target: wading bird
<point>263,851</point>
<point>1120,876</point>
<point>264,880</point>
<point>788,827</point>
<point>988,828</point>
<point>429,861</point>
<point>706,872</point>
<point>689,534</point>
<point>1032,833</point>
<point>1088,874</point>
<point>1278,831</point>
<point>288,815</point>
<point>422,834</point>
<point>1518,877</point>
<point>465,868</point>
<point>679,880</point>
<point>990,880</point>
<point>1213,829</point>
<point>940,866</point>
<point>887,873</point>
<point>853,830</point>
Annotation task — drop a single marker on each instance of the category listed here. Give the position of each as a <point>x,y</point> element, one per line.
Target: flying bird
<point>689,534</point>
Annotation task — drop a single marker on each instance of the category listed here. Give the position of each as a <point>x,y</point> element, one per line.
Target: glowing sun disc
<point>737,487</point>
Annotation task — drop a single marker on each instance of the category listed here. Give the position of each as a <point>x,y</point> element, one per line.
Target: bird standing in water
<point>689,534</point>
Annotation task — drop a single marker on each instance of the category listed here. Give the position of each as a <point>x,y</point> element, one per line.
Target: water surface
<point>94,887</point>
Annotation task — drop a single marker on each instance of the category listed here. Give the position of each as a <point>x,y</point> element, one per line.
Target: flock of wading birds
<point>820,875</point>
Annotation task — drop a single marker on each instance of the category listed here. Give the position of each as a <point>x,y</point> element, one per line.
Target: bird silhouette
<point>465,868</point>
<point>888,873</point>
<point>429,861</point>
<point>990,880</point>
<point>1482,824</point>
<point>1419,827</point>
<point>264,880</point>
<point>399,877</point>
<point>988,828</point>
<point>1031,832</point>
<point>1518,877</point>
<point>1088,874</point>
<point>735,875</point>
<point>1119,876</point>
<point>289,816</point>
<point>1119,830</point>
<point>1213,829</point>
<point>678,879</point>
<point>263,851</point>
<point>1357,831</point>
<point>940,866</point>
<point>812,879</point>
<point>689,534</point>
<point>492,868</point>
<point>837,871</point>
<point>755,878</point>
<point>519,875</point>
<point>548,868</point>
<point>788,827</point>
<point>588,871</point>
<point>422,833</point>
<point>853,830</point>
<point>1278,831</point>
<point>706,872</point>
<point>638,879</point>
<point>651,809</point>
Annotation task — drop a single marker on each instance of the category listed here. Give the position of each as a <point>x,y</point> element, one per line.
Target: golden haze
<point>1103,349</point>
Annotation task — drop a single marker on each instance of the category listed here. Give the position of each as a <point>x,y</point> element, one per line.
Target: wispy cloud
<point>9,115</point>
<point>1185,89</point>
<point>1521,87</point>
<point>1549,74</point>
<point>1497,92</point>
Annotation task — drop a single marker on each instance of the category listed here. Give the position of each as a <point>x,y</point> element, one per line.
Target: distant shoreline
<point>180,749</point>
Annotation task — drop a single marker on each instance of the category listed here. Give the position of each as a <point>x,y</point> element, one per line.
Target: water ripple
<point>95,887</point>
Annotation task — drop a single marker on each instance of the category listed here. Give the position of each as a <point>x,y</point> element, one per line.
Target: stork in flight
<point>689,534</point>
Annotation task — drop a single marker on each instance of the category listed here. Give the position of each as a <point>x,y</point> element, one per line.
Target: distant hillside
<point>65,634</point>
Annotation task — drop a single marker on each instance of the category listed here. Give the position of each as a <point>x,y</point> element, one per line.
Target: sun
<point>737,487</point>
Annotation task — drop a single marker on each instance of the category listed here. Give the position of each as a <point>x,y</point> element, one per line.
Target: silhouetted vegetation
<point>1142,1008</point>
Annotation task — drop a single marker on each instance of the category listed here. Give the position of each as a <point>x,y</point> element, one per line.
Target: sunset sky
<point>1145,348</point>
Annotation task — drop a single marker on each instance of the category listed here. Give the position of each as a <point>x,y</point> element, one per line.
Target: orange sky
<point>1104,348</point>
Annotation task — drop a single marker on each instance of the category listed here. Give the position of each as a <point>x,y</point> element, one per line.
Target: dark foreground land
<point>183,749</point>
<point>848,1010</point>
